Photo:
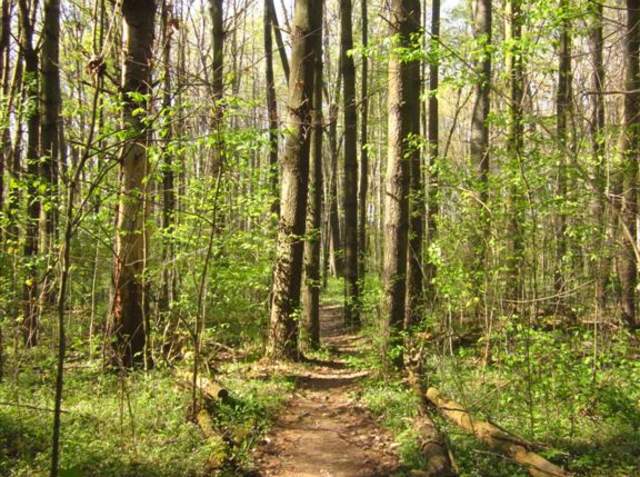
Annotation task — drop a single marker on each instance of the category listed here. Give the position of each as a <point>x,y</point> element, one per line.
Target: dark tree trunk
<point>433,131</point>
<point>272,108</point>
<point>516,78</point>
<point>350,171</point>
<point>364,155</point>
<point>129,307</point>
<point>563,108</point>
<point>30,295</point>
<point>334,218</point>
<point>313,283</point>
<point>278,34</point>
<point>598,149</point>
<point>480,133</point>
<point>631,155</point>
<point>52,106</point>
<point>217,84</point>
<point>283,332</point>
<point>415,291</point>
<point>403,105</point>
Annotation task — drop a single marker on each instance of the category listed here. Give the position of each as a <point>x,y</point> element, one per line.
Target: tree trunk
<point>52,106</point>
<point>168,182</point>
<point>364,154</point>
<point>563,106</point>
<point>350,171</point>
<point>278,34</point>
<point>217,84</point>
<point>598,149</point>
<point>479,147</point>
<point>30,295</point>
<point>313,283</point>
<point>433,131</point>
<point>334,218</point>
<point>272,109</point>
<point>516,78</point>
<point>403,101</point>
<point>415,292</point>
<point>283,333</point>
<point>630,154</point>
<point>129,307</point>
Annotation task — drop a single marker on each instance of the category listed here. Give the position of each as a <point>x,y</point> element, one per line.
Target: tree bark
<point>52,107</point>
<point>30,294</point>
<point>272,108</point>
<point>350,171</point>
<point>599,150</point>
<point>313,284</point>
<point>479,148</point>
<point>563,107</point>
<point>496,438</point>
<point>403,101</point>
<point>217,84</point>
<point>516,79</point>
<point>415,291</point>
<point>433,131</point>
<point>334,218</point>
<point>630,156</point>
<point>278,35</point>
<point>283,333</point>
<point>364,154</point>
<point>129,307</point>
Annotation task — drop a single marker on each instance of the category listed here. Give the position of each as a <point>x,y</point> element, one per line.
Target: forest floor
<point>324,430</point>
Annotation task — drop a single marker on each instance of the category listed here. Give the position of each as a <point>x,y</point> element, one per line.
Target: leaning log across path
<point>509,445</point>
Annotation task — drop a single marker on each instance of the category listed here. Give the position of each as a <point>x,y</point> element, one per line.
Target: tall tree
<point>313,283</point>
<point>433,131</point>
<point>129,309</point>
<point>52,106</point>
<point>403,108</point>
<point>350,170</point>
<point>563,113</point>
<point>283,333</point>
<point>30,55</point>
<point>282,51</point>
<point>598,147</point>
<point>415,291</point>
<point>364,154</point>
<point>217,82</point>
<point>516,80</point>
<point>630,156</point>
<point>479,147</point>
<point>272,107</point>
<point>168,179</point>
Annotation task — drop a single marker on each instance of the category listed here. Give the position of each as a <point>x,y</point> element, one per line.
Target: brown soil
<point>323,431</point>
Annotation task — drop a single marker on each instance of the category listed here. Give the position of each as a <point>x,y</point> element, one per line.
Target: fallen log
<point>509,445</point>
<point>210,390</point>
<point>433,449</point>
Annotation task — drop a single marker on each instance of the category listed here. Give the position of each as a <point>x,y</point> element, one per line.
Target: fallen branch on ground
<point>509,445</point>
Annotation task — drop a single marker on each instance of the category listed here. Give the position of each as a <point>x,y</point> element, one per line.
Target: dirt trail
<point>323,431</point>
